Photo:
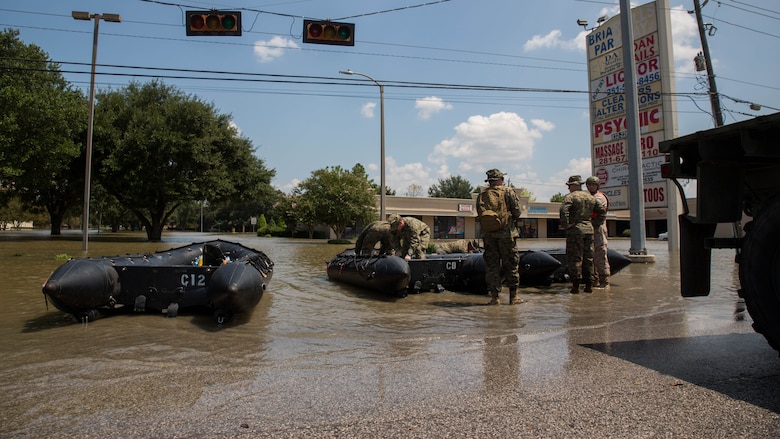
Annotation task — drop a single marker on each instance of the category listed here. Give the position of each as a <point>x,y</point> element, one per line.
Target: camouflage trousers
<point>500,255</point>
<point>579,256</point>
<point>600,260</point>
<point>459,246</point>
<point>367,241</point>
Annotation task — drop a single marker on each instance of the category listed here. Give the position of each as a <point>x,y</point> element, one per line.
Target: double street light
<point>382,139</point>
<point>115,18</point>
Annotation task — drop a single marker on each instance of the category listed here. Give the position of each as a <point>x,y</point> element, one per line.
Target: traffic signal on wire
<point>211,23</point>
<point>328,32</point>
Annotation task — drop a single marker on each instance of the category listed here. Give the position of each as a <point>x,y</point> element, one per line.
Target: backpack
<point>495,215</point>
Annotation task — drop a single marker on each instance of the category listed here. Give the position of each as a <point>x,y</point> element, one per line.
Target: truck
<point>737,171</point>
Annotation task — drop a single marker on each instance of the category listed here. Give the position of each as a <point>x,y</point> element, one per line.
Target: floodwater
<point>313,352</point>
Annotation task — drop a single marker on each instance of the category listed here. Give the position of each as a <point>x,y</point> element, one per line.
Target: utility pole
<point>714,97</point>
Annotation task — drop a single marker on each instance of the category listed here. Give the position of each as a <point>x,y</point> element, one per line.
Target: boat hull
<point>219,276</point>
<point>465,272</point>
<point>386,274</point>
<point>458,272</point>
<point>616,260</point>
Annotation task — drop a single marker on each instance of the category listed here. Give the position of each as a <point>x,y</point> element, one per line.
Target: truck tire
<point>759,272</point>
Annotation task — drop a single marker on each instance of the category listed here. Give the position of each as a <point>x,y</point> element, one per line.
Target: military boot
<point>513,299</point>
<point>494,298</point>
<point>588,287</point>
<point>575,287</point>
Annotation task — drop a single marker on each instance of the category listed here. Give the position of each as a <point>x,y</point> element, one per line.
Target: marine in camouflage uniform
<point>410,236</point>
<point>575,214</point>
<point>500,248</point>
<point>459,246</point>
<point>600,259</point>
<point>378,231</point>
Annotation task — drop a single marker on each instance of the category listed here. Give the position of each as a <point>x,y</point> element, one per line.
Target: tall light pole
<point>116,18</point>
<point>382,140</point>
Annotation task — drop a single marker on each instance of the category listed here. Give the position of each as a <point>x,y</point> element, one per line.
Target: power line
<point>292,79</point>
<point>354,52</point>
<point>752,6</point>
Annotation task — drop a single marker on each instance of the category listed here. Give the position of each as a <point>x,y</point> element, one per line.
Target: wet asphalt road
<point>320,360</point>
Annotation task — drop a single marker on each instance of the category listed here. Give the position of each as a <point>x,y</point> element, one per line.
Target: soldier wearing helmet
<point>501,256</point>
<point>600,261</point>
<point>410,236</point>
<point>575,215</point>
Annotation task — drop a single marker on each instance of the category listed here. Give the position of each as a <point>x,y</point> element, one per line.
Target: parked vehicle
<point>736,167</point>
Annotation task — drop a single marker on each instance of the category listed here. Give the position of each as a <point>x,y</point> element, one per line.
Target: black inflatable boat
<point>222,277</point>
<point>459,272</point>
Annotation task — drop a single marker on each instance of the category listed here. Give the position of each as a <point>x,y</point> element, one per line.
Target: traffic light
<point>328,32</point>
<point>211,23</point>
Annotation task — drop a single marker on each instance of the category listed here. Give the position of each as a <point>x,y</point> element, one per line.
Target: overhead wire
<point>406,56</point>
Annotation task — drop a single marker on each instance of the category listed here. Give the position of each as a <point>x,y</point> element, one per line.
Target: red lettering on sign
<point>654,195</point>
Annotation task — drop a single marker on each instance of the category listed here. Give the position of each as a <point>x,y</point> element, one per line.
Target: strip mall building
<point>455,218</point>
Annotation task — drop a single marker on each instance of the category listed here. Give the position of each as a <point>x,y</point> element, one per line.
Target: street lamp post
<point>116,18</point>
<point>382,140</point>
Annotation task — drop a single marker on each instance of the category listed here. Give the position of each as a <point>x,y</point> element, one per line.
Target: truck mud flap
<point>695,257</point>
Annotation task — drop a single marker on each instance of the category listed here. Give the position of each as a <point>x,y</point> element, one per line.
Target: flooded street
<point>322,359</point>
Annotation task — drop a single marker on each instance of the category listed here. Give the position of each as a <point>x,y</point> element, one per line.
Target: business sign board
<point>609,126</point>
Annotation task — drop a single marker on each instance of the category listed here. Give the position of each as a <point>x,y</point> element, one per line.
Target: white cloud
<point>429,106</point>
<point>233,125</point>
<point>266,51</point>
<point>482,140</point>
<point>290,186</point>
<point>554,40</point>
<point>687,43</point>
<point>579,166</point>
<point>400,177</point>
<point>367,110</point>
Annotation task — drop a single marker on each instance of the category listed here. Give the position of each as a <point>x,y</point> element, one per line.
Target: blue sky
<point>288,98</point>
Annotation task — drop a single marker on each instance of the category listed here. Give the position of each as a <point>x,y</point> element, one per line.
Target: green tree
<point>360,170</point>
<point>13,213</point>
<point>301,211</point>
<point>109,210</point>
<point>524,192</point>
<point>414,190</point>
<point>557,198</point>
<point>452,187</point>
<point>262,224</point>
<point>339,198</point>
<point>42,130</point>
<point>186,216</point>
<point>156,148</point>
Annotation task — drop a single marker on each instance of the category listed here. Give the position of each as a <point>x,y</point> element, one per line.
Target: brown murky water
<point>349,347</point>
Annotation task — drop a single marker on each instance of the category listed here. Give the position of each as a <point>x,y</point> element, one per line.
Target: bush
<point>626,233</point>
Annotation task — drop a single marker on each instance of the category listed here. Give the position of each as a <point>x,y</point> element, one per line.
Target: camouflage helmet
<point>575,179</point>
<point>394,219</point>
<point>593,180</point>
<point>494,174</point>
